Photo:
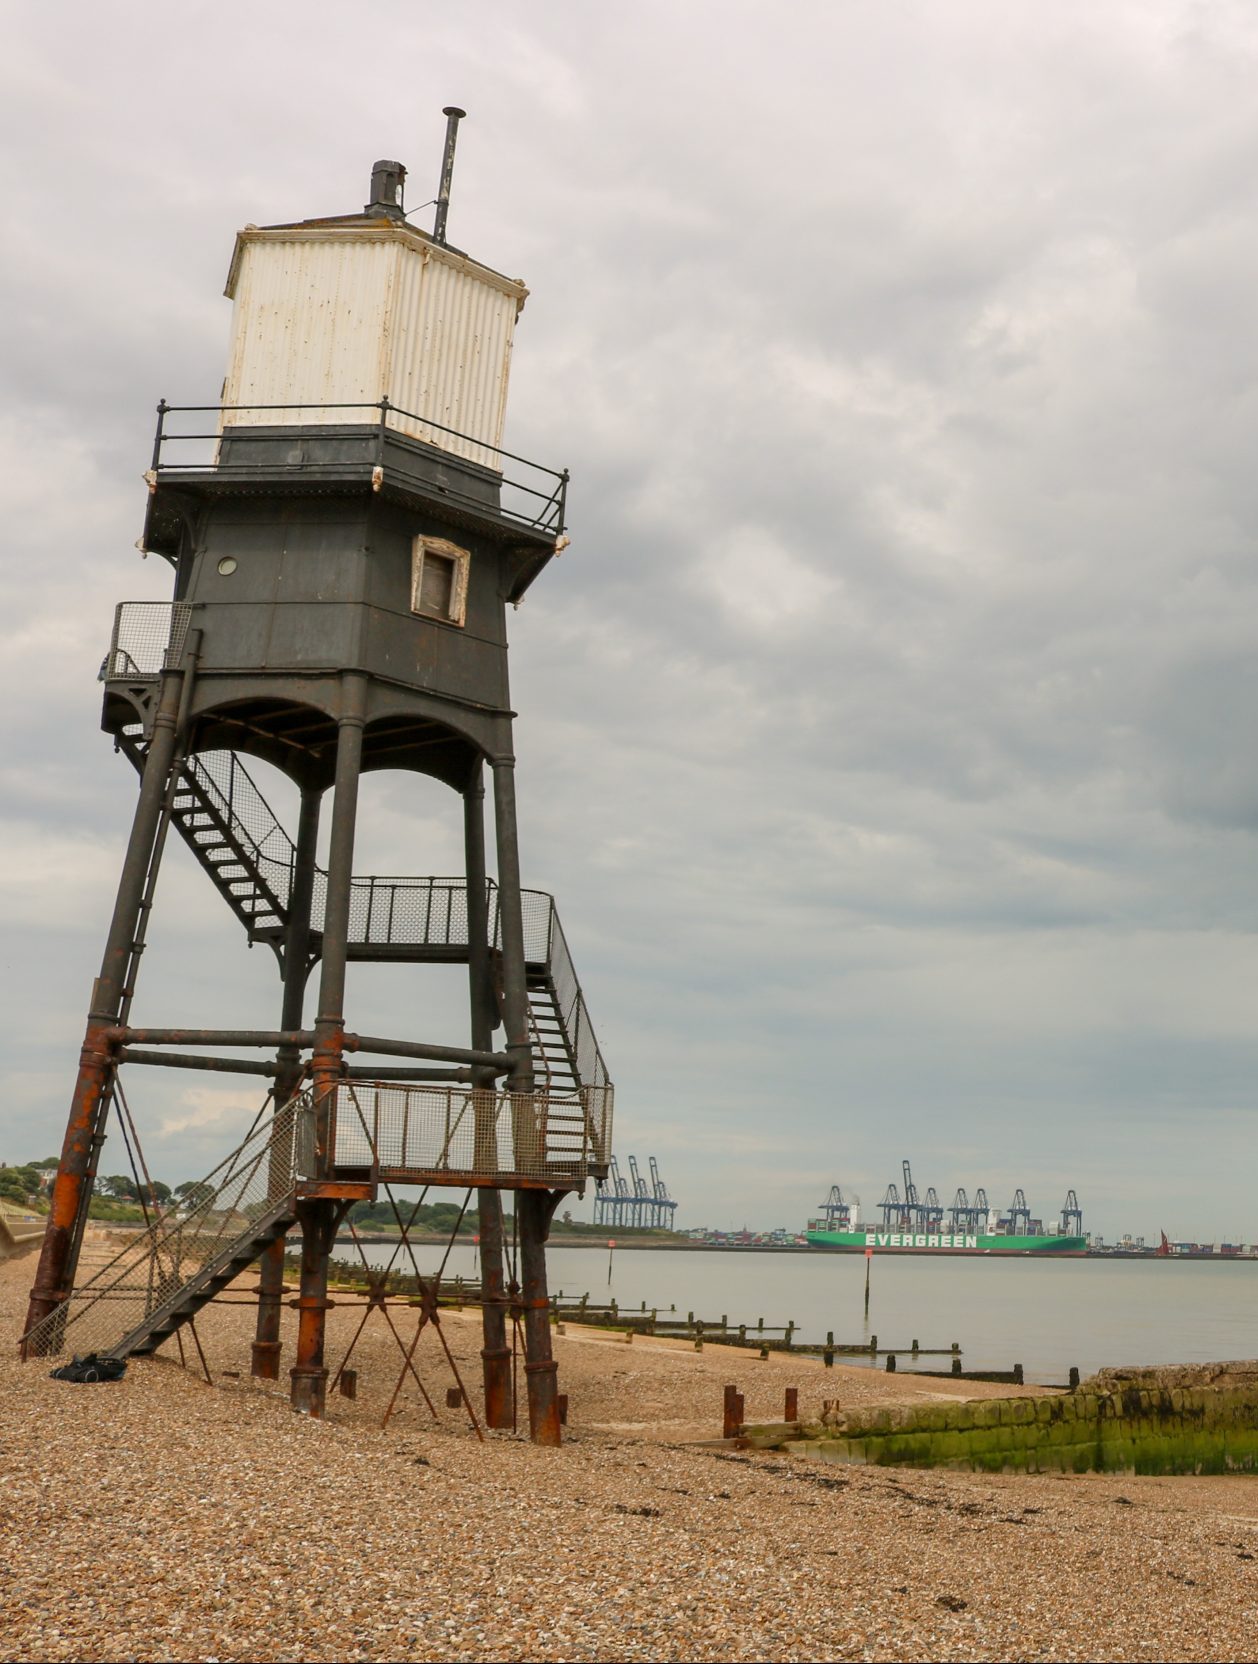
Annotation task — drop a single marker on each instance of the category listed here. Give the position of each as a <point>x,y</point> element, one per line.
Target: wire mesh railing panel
<point>148,1276</point>
<point>536,911</point>
<point>574,1014</point>
<point>147,638</point>
<point>409,911</point>
<point>465,1131</point>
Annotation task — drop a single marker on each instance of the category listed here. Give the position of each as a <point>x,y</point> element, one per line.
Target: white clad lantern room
<point>346,312</point>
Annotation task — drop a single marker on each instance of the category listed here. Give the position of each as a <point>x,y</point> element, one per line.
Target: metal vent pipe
<point>453,116</point>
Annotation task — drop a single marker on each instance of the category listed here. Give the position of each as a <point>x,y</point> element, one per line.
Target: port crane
<point>891,1211</point>
<point>912,1205</point>
<point>1071,1216</point>
<point>899,1214</point>
<point>622,1203</point>
<point>665,1206</point>
<point>1019,1214</point>
<point>838,1211</point>
<point>611,1199</point>
<point>964,1217</point>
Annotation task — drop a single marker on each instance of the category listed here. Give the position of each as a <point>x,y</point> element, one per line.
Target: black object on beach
<point>90,1369</point>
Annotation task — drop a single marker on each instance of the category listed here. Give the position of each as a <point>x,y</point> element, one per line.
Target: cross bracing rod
<point>255,1066</point>
<point>303,1038</point>
<point>191,1060</point>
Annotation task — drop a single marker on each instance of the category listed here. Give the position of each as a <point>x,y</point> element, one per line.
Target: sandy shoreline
<point>164,1518</point>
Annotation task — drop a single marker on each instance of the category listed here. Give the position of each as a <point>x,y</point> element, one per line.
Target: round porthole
<point>227,566</point>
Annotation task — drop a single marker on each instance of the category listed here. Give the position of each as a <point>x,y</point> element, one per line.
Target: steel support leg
<point>58,1260</point>
<point>541,1372</point>
<point>533,1207</point>
<point>309,1373</point>
<point>296,964</point>
<point>515,1009</point>
<point>495,1352</point>
<point>309,1377</point>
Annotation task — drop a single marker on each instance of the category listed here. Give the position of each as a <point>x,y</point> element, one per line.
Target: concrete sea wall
<point>1121,1427</point>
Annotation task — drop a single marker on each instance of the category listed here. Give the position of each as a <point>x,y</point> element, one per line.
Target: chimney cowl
<point>387,179</point>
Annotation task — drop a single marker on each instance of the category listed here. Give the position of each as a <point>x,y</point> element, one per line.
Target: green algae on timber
<point>1197,1420</point>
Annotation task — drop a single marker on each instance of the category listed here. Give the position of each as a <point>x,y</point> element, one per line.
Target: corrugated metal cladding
<point>337,319</point>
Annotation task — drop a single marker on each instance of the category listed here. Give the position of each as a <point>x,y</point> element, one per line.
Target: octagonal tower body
<point>352,509</point>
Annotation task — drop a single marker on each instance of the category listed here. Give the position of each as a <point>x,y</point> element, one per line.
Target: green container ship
<point>920,1224</point>
<point>943,1242</point>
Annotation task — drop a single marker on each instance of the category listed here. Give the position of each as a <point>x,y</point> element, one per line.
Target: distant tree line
<point>23,1184</point>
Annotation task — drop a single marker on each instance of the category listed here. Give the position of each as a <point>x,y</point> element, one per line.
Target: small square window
<point>439,580</point>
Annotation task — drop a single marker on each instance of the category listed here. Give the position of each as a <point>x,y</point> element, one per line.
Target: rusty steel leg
<point>58,1260</point>
<point>309,1375</point>
<point>495,1352</point>
<point>319,1219</point>
<point>533,1207</point>
<point>540,1369</point>
<point>265,1364</point>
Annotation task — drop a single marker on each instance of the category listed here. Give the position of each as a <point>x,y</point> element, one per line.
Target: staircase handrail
<point>573,1011</point>
<point>256,1174</point>
<point>240,806</point>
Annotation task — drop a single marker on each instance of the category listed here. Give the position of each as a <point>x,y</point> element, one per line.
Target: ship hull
<point>948,1243</point>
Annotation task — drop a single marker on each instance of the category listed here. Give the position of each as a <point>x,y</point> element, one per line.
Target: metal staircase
<point>230,829</point>
<point>239,842</point>
<point>161,1322</point>
<point>554,1067</point>
<point>164,1276</point>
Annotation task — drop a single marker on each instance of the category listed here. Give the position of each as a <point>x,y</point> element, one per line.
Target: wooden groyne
<point>19,1232</point>
<point>1200,1419</point>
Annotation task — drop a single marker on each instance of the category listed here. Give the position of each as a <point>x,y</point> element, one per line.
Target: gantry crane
<point>912,1206</point>
<point>1019,1214</point>
<point>665,1207</point>
<point>1071,1216</point>
<point>626,1204</point>
<point>892,1210</point>
<point>837,1210</point>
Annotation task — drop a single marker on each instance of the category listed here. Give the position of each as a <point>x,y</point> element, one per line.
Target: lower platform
<point>469,1137</point>
<point>557,1178</point>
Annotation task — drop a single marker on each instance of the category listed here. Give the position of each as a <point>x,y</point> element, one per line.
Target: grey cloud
<point>887,730</point>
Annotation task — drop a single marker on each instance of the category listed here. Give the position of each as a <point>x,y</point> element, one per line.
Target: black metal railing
<point>531,494</point>
<point>147,638</point>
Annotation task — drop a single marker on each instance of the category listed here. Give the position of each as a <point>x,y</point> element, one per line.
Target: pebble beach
<point>162,1517</point>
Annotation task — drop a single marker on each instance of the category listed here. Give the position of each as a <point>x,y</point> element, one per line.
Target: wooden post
<point>732,1413</point>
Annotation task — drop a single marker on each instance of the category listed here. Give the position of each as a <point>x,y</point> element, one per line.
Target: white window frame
<point>462,559</point>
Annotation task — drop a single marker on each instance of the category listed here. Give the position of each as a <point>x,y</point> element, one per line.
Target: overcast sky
<point>888,732</point>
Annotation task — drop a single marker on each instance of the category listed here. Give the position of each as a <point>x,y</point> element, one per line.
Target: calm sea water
<point>1043,1314</point>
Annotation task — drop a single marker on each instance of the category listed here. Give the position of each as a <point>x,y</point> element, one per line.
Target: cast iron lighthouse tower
<point>346,533</point>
